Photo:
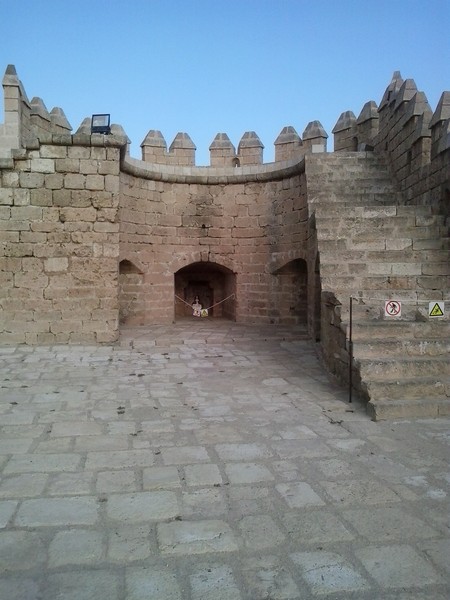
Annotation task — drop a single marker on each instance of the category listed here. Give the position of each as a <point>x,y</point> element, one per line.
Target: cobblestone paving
<point>211,461</point>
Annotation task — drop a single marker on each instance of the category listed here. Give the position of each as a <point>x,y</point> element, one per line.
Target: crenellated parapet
<point>223,153</point>
<point>25,120</point>
<point>415,139</point>
<point>29,123</point>
<point>402,125</point>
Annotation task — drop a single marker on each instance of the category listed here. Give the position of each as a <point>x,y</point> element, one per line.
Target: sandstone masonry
<point>92,238</point>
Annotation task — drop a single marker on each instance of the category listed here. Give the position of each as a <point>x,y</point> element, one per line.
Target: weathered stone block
<point>56,264</point>
<point>89,167</point>
<point>95,182</point>
<point>73,181</point>
<point>42,165</point>
<point>54,181</point>
<point>31,180</point>
<point>112,184</point>
<point>67,165</point>
<point>6,196</point>
<point>53,151</point>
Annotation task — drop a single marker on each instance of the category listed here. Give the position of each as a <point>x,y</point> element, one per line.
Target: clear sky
<point>209,66</point>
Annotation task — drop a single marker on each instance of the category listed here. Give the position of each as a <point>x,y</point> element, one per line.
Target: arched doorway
<point>289,293</point>
<point>214,285</point>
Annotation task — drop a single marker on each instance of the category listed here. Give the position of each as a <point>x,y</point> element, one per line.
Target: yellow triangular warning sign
<point>436,311</point>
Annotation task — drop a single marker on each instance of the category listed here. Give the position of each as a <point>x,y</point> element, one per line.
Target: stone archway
<point>212,283</point>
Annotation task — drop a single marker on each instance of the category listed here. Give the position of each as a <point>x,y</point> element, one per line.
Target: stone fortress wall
<point>92,238</point>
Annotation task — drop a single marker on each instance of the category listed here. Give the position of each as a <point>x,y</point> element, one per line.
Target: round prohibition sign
<point>392,308</point>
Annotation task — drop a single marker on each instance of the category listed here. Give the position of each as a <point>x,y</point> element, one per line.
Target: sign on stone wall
<point>436,309</point>
<point>392,308</point>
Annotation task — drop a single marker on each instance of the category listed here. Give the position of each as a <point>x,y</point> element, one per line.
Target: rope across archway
<point>198,310</point>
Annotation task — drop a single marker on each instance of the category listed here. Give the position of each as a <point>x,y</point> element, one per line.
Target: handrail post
<point>350,352</point>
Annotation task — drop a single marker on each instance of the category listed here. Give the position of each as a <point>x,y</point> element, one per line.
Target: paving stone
<point>129,543</point>
<point>21,550</point>
<point>74,428</point>
<point>155,478</point>
<point>62,484</point>
<point>305,448</point>
<point>116,481</point>
<point>45,463</point>
<point>297,432</point>
<point>22,486</point>
<point>242,452</point>
<point>266,577</point>
<point>315,527</point>
<point>7,509</point>
<point>119,459</point>
<point>121,427</point>
<point>398,566</point>
<point>438,550</point>
<point>352,491</point>
<point>212,434</point>
<point>388,524</point>
<point>202,475</point>
<point>89,443</point>
<point>76,547</point>
<point>15,446</point>
<point>184,455</point>
<point>298,494</point>
<point>196,537</point>
<point>91,585</point>
<point>214,583</point>
<point>19,588</point>
<point>327,573</point>
<point>238,473</point>
<point>142,506</point>
<point>335,468</point>
<point>57,511</point>
<point>144,583</point>
<point>203,502</point>
<point>260,532</point>
<point>54,446</point>
<point>157,426</point>
<point>18,418</point>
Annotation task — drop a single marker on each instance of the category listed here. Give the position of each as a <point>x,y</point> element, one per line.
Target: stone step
<point>407,408</point>
<point>380,282</point>
<point>408,387</point>
<point>366,331</point>
<point>409,347</point>
<point>405,266</point>
<point>349,197</point>
<point>421,216</point>
<point>378,228</point>
<point>394,367</point>
<point>337,254</point>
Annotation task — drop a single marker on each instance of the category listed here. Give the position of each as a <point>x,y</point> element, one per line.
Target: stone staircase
<point>375,248</point>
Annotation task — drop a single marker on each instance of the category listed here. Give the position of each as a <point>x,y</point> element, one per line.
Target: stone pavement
<point>211,461</point>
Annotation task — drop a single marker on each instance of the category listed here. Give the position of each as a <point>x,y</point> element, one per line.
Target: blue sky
<point>209,66</point>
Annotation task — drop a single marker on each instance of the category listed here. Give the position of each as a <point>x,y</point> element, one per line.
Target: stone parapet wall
<point>59,242</point>
<point>249,227</point>
<point>91,237</point>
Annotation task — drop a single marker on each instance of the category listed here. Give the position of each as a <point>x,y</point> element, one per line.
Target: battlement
<point>27,122</point>
<point>288,145</point>
<point>403,125</point>
<point>403,108</point>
